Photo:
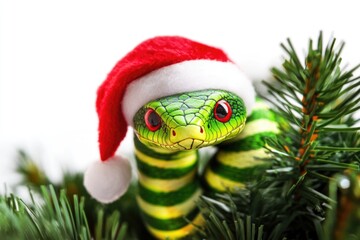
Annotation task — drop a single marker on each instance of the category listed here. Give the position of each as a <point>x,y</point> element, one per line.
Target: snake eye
<point>222,111</point>
<point>152,120</point>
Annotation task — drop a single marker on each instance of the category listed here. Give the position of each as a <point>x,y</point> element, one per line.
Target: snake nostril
<point>173,133</point>
<point>201,130</point>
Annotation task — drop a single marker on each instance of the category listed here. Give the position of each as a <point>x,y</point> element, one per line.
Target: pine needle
<point>54,218</point>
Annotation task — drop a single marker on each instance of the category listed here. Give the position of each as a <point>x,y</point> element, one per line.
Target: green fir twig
<point>316,98</point>
<point>71,186</point>
<point>53,217</point>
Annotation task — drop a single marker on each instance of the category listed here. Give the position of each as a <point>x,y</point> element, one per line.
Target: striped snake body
<point>168,133</point>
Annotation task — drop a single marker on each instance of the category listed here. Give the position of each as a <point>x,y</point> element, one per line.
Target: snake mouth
<point>185,144</point>
<point>192,143</point>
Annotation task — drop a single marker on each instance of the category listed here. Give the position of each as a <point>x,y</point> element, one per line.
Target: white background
<point>54,55</point>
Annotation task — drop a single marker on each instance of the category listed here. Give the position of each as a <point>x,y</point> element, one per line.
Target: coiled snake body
<point>169,131</point>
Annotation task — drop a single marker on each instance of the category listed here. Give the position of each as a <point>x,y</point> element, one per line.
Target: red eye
<point>152,120</point>
<point>222,111</point>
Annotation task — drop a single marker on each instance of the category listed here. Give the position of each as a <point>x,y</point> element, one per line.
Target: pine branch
<point>315,102</point>
<point>53,218</point>
<point>237,226</point>
<point>31,173</point>
<point>323,140</point>
<point>72,184</point>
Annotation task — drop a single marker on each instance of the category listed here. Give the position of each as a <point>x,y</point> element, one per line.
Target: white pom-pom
<point>107,181</point>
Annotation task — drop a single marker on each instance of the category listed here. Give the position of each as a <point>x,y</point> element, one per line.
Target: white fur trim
<point>109,180</point>
<point>187,76</point>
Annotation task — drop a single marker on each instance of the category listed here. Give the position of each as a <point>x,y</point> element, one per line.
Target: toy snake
<point>170,130</point>
<point>173,116</point>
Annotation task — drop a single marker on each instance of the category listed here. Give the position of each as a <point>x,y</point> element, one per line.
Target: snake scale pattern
<point>168,133</point>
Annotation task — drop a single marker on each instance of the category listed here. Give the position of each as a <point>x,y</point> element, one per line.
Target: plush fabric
<point>107,181</point>
<point>187,76</point>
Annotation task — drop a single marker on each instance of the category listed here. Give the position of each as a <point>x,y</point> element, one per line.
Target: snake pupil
<point>152,120</point>
<point>222,111</point>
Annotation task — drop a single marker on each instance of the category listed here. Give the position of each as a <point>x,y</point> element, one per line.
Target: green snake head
<point>190,120</point>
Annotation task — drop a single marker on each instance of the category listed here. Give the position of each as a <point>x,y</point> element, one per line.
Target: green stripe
<point>170,224</point>
<point>163,173</point>
<point>253,142</point>
<point>168,198</point>
<point>161,156</point>
<point>149,152</point>
<point>238,174</point>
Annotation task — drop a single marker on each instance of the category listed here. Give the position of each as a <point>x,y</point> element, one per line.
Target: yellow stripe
<point>167,185</point>
<point>156,148</point>
<point>179,233</point>
<point>181,163</point>
<point>242,159</point>
<point>258,126</point>
<point>174,211</point>
<point>219,183</point>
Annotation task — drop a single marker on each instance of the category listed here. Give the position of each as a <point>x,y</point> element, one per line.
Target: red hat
<point>157,67</point>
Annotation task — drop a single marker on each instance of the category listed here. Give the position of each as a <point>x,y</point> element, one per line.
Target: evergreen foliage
<point>123,213</point>
<point>54,217</point>
<point>316,100</point>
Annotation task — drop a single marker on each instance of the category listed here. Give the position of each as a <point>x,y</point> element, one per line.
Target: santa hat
<point>157,67</point>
